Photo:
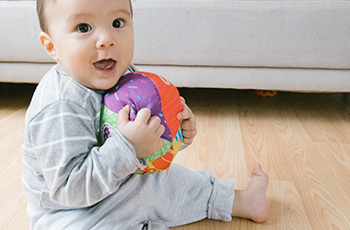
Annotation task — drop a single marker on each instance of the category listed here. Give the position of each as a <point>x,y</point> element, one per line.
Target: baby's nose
<point>105,41</point>
<point>105,44</point>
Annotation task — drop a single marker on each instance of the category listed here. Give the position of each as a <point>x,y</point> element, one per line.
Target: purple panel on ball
<point>138,91</point>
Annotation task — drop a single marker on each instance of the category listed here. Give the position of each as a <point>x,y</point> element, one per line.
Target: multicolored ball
<point>146,90</point>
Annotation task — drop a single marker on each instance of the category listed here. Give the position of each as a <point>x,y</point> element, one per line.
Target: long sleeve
<point>77,171</point>
<point>64,164</point>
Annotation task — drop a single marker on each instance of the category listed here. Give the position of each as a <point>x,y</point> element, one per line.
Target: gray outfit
<point>73,181</point>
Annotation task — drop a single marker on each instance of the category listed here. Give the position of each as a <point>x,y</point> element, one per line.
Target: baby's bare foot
<point>252,203</point>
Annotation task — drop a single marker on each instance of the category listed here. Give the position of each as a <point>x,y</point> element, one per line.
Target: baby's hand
<point>189,129</point>
<point>144,133</point>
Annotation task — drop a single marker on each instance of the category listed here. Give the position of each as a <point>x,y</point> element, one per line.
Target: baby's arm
<point>144,133</point>
<point>78,171</point>
<point>189,129</point>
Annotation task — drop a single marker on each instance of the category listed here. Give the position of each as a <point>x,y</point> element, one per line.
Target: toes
<point>256,170</point>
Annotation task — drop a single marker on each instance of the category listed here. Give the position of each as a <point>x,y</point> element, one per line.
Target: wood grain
<point>302,141</point>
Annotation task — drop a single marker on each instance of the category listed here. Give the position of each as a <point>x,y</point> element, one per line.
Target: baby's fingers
<point>189,125</point>
<point>143,116</point>
<point>188,136</point>
<point>155,124</point>
<point>123,115</point>
<point>186,112</point>
<point>160,130</point>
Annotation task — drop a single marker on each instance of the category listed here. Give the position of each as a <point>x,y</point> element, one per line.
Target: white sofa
<point>278,45</point>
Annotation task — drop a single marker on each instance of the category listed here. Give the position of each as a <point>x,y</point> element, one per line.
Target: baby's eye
<point>83,28</point>
<point>118,23</point>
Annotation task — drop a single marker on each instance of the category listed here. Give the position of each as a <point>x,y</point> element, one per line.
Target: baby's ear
<point>48,44</point>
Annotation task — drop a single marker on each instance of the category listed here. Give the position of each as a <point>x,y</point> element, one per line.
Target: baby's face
<point>93,41</point>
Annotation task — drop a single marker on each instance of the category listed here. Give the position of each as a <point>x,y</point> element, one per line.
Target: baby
<point>71,179</point>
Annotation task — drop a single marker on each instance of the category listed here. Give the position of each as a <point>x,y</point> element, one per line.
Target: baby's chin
<point>102,85</point>
<point>99,84</point>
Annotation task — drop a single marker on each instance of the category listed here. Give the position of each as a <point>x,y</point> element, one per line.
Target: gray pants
<point>154,201</point>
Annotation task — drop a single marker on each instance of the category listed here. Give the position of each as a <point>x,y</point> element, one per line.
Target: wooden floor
<point>301,140</point>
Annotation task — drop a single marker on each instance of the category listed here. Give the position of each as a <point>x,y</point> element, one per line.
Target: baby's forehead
<point>82,5</point>
<point>67,9</point>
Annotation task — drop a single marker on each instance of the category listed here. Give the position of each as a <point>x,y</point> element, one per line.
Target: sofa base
<point>287,79</point>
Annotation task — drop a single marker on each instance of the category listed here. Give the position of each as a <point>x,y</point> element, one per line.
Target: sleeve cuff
<point>124,161</point>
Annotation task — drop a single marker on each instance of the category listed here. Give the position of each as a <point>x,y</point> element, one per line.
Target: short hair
<point>40,9</point>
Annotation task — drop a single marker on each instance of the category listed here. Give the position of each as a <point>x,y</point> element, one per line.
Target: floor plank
<point>302,141</point>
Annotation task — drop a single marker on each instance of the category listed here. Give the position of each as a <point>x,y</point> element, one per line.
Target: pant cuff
<point>221,200</point>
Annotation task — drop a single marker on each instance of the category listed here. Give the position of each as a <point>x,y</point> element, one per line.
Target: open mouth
<point>105,65</point>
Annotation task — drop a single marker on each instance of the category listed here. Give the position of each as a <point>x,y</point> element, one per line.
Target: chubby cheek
<point>126,46</point>
<point>125,59</point>
<point>131,49</point>
<point>71,55</point>
<point>78,60</point>
<point>77,70</point>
